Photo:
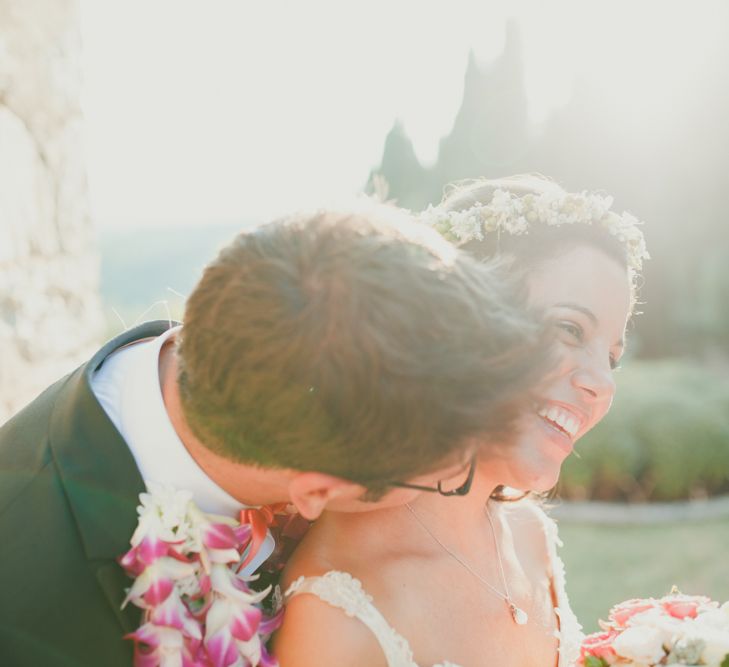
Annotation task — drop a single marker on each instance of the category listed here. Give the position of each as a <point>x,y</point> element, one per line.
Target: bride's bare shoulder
<point>317,634</point>
<point>300,642</point>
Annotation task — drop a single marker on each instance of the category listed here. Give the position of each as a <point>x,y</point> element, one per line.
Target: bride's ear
<point>311,492</point>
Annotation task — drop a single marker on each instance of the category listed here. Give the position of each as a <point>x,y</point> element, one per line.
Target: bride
<point>474,579</point>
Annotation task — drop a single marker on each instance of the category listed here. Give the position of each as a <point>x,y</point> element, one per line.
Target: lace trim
<point>342,590</point>
<point>570,633</point>
<point>339,589</point>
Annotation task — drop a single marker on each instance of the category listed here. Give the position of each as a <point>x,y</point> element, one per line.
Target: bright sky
<point>209,111</point>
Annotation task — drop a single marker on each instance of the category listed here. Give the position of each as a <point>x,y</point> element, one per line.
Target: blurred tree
<point>489,136</point>
<point>666,163</point>
<point>490,132</point>
<point>401,170</point>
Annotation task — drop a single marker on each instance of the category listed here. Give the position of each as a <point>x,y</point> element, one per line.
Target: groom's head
<point>357,344</point>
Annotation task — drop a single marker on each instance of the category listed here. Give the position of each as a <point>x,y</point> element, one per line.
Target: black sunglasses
<point>462,490</point>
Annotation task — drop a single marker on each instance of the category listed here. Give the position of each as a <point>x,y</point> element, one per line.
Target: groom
<point>326,361</point>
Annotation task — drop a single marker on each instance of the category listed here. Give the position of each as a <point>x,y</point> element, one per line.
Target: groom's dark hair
<point>358,344</point>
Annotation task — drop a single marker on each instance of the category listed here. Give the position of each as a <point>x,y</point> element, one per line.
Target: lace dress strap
<point>343,591</point>
<point>570,630</point>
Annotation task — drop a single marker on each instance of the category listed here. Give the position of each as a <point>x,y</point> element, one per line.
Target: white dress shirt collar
<point>127,386</point>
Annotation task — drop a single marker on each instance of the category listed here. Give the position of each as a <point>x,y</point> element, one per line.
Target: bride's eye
<point>614,363</point>
<point>573,329</point>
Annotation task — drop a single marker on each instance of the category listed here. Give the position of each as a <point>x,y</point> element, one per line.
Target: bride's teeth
<point>562,418</point>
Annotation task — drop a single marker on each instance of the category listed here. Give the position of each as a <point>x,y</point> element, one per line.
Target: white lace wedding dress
<point>341,590</point>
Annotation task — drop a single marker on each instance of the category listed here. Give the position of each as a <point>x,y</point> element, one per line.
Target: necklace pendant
<point>519,615</point>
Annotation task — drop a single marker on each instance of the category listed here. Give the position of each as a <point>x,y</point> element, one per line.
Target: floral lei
<point>512,214</point>
<point>198,610</point>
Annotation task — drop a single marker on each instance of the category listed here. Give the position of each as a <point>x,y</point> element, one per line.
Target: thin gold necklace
<point>519,616</point>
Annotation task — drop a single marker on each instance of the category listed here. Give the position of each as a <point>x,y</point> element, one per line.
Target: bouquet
<point>673,630</point>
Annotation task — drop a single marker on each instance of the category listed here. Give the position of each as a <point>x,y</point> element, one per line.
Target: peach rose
<point>684,606</point>
<point>621,613</point>
<point>599,645</point>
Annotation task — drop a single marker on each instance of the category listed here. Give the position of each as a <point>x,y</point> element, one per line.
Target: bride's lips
<point>555,436</point>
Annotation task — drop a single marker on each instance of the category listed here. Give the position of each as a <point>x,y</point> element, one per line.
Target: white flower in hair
<point>468,226</point>
<point>501,203</point>
<point>599,206</point>
<point>546,206</point>
<point>511,214</point>
<point>516,225</point>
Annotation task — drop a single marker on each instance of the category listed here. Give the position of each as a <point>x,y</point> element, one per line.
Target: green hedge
<point>666,437</point>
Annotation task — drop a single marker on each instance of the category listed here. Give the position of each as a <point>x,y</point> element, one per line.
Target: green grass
<point>608,564</point>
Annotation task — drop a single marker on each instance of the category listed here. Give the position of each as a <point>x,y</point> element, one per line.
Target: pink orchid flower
<point>154,584</point>
<point>198,612</point>
<point>174,613</point>
<point>229,628</point>
<point>227,583</point>
<point>157,646</point>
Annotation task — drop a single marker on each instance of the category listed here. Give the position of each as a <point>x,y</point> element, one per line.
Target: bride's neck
<point>456,518</point>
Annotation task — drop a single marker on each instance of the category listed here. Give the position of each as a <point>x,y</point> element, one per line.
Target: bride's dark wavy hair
<point>527,252</point>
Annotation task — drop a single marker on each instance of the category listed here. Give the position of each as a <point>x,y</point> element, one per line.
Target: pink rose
<point>620,613</point>
<point>683,606</point>
<point>599,645</point>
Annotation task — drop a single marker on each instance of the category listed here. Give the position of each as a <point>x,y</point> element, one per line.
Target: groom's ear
<point>311,492</point>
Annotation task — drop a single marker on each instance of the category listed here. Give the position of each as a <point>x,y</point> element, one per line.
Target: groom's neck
<point>249,485</point>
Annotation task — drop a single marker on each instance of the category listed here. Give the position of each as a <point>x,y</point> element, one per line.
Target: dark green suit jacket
<point>69,489</point>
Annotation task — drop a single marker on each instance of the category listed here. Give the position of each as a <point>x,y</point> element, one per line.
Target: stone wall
<point>50,316</point>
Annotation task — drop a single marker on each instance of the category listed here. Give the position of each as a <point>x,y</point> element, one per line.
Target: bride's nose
<point>594,384</point>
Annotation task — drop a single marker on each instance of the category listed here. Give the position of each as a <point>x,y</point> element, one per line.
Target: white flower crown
<point>509,213</point>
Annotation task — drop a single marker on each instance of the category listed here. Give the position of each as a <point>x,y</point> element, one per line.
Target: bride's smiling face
<point>586,295</point>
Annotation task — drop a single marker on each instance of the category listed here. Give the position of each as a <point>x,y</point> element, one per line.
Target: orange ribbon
<point>260,519</point>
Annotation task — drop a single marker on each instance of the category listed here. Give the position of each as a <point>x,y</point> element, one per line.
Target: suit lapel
<point>114,582</point>
<point>98,472</point>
